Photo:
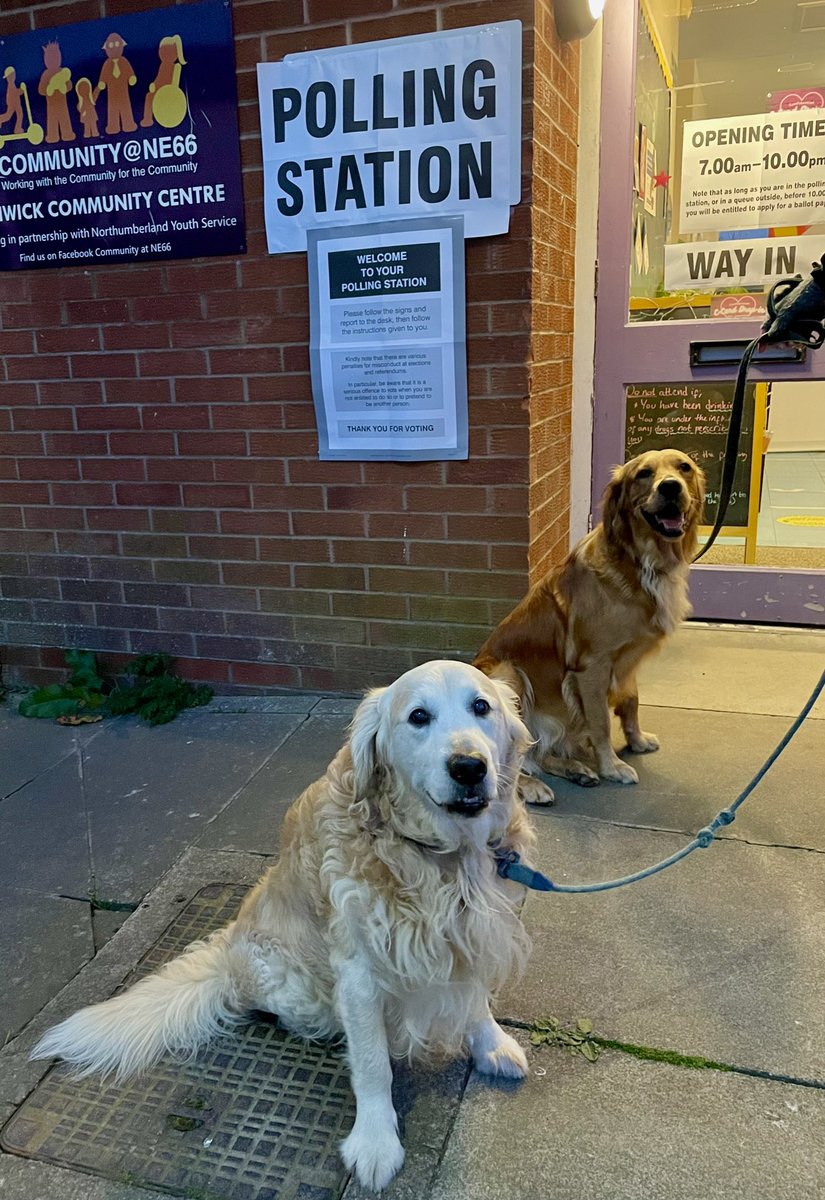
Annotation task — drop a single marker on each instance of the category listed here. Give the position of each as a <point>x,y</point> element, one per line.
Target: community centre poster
<point>119,140</point>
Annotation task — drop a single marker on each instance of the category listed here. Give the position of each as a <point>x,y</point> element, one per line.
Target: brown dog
<point>572,647</point>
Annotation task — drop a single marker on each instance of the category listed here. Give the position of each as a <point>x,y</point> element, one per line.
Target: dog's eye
<point>645,473</point>
<point>481,707</point>
<point>686,467</point>
<point>419,716</point>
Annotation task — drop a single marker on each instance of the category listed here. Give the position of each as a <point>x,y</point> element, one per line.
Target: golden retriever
<point>572,647</point>
<point>385,919</point>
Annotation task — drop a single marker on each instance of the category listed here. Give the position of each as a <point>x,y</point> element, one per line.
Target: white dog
<point>384,919</point>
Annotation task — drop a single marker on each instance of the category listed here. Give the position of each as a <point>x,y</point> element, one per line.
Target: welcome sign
<point>410,127</point>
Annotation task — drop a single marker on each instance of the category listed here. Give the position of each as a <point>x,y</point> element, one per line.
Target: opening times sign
<point>395,129</point>
<point>119,140</point>
<point>767,169</point>
<point>388,341</point>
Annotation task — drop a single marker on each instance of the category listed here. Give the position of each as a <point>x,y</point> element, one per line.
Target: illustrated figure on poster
<point>165,100</point>
<point>86,101</point>
<point>14,100</point>
<point>55,85</point>
<point>116,77</point>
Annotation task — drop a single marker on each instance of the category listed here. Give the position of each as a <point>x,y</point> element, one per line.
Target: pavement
<point>118,839</point>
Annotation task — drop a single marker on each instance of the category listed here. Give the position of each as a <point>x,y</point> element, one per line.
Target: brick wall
<point>159,484</point>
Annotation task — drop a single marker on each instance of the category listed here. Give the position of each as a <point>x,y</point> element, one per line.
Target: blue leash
<point>510,866</point>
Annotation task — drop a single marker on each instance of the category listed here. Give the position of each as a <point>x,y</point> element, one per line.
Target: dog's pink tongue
<point>673,524</point>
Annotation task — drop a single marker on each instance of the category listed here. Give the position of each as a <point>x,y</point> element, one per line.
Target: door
<point>712,188</point>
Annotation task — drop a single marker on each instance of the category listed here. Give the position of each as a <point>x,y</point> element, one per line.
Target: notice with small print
<point>765,169</point>
<point>388,340</point>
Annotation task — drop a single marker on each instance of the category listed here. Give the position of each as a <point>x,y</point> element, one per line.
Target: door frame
<point>659,352</point>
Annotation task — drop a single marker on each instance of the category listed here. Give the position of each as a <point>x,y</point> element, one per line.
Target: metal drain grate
<point>257,1116</point>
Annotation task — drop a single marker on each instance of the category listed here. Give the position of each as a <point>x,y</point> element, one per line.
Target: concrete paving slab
<point>150,792</point>
<point>302,702</point>
<point>621,1129</point>
<point>43,944</point>
<point>29,747</point>
<point>22,1179</point>
<point>44,843</point>
<point>705,760</point>
<point>722,955</point>
<point>736,669</point>
<point>253,820</point>
<point>345,705</point>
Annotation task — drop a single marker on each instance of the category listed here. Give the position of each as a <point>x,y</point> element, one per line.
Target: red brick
<point>108,416</point>
<point>172,362</point>
<point>215,390</point>
<point>30,316</point>
<point>122,520</point>
<point>53,518</point>
<point>247,416</point>
<point>271,523</point>
<point>260,575</point>
<point>37,366</point>
<point>149,443</point>
<point>180,470</point>
<point>96,312</point>
<point>103,366</point>
<point>113,468</point>
<point>175,416</point>
<point>136,337</point>
<point>225,495</point>
<point>74,443</point>
<point>199,520</point>
<point>202,334</point>
<point>212,444</point>
<point>262,360</point>
<point>222,548</point>
<point>42,418</point>
<point>71,340</point>
<point>167,308</point>
<point>249,470</point>
<point>19,341</point>
<point>154,494</point>
<point>135,281</point>
<point>48,468</point>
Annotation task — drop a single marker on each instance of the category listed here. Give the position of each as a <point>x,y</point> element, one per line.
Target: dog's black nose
<point>671,489</point>
<point>466,769</point>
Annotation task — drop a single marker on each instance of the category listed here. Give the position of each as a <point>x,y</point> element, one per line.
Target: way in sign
<point>733,264</point>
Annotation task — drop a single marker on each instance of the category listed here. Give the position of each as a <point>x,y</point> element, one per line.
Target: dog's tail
<point>179,1008</point>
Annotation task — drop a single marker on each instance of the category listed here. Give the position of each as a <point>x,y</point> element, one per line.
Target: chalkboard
<point>693,418</point>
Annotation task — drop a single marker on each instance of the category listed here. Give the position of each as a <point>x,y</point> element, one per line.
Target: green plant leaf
<point>584,1025</point>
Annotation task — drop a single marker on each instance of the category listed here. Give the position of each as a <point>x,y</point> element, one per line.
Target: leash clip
<point>510,866</point>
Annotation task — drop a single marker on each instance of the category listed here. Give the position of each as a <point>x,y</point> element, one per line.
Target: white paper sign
<point>401,128</point>
<point>749,262</point>
<point>746,172</point>
<point>388,341</point>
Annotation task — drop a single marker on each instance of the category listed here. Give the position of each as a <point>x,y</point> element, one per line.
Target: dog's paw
<point>500,1055</point>
<point>582,775</point>
<point>375,1154</point>
<point>643,743</point>
<point>535,791</point>
<point>620,772</point>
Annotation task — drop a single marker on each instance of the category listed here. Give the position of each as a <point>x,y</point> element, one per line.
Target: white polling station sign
<point>409,127</point>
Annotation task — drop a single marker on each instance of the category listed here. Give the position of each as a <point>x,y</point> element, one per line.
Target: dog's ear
<point>615,519</point>
<point>690,542</point>
<point>362,740</point>
<point>519,734</point>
